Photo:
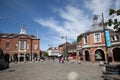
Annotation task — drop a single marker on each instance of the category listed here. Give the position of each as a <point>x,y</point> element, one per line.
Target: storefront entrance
<point>116,54</point>
<point>87,56</point>
<point>99,55</point>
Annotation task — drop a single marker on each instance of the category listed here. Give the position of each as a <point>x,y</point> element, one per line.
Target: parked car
<point>3,62</point>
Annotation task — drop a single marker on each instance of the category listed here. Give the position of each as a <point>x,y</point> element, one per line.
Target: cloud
<point>74,22</point>
<point>99,6</point>
<point>117,4</point>
<point>103,6</point>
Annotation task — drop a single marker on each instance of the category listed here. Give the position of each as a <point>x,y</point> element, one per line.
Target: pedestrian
<point>59,58</point>
<point>7,57</point>
<point>53,59</point>
<point>62,59</point>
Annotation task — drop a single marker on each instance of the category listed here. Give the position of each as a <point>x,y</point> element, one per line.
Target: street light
<point>65,37</point>
<point>104,29</point>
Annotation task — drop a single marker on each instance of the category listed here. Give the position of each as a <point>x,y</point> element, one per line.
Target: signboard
<point>107,36</point>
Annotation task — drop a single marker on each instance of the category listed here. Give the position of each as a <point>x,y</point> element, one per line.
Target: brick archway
<point>15,56</point>
<point>27,57</point>
<point>35,56</point>
<point>116,54</point>
<point>87,55</point>
<point>99,55</point>
<point>22,57</point>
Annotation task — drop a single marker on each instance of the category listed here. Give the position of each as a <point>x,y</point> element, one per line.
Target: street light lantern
<point>62,37</point>
<point>95,17</point>
<point>65,37</point>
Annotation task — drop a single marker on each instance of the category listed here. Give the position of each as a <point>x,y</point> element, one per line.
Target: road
<point>49,70</point>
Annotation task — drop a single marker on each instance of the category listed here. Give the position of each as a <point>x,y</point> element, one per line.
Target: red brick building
<point>92,46</point>
<point>72,51</point>
<point>20,47</point>
<point>63,48</point>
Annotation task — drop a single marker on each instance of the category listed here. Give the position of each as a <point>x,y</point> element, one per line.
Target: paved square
<point>49,70</point>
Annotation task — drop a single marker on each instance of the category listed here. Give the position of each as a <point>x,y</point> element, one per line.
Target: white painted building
<point>53,51</point>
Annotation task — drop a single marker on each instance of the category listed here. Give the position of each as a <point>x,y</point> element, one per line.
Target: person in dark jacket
<point>3,63</point>
<point>1,54</point>
<point>7,57</point>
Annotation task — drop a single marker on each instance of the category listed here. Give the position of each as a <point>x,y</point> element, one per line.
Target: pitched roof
<point>13,35</point>
<point>72,46</point>
<point>63,44</point>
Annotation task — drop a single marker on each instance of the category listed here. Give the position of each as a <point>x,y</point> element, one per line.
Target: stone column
<point>24,58</point>
<point>92,57</point>
<point>18,57</point>
<point>83,56</point>
<point>78,57</point>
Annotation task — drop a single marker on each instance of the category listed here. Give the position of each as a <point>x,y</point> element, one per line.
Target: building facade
<point>53,52</point>
<point>92,46</point>
<point>20,47</point>
<point>72,51</point>
<point>63,47</point>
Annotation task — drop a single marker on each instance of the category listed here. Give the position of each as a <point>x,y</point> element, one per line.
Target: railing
<point>111,72</point>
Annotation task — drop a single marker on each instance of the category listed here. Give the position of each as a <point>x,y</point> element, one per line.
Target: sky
<point>49,20</point>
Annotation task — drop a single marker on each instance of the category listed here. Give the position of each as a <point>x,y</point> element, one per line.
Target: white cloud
<point>99,6</point>
<point>75,22</point>
<point>117,4</point>
<point>103,6</point>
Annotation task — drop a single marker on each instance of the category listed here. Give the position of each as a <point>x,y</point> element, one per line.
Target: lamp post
<point>65,37</point>
<point>104,29</point>
<point>103,24</point>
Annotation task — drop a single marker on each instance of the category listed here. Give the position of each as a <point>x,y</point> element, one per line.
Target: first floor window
<point>16,45</point>
<point>22,45</point>
<point>7,45</point>
<point>97,37</point>
<point>35,46</point>
<point>85,40</point>
<point>28,46</point>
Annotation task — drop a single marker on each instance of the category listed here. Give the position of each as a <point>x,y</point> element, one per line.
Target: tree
<point>45,53</point>
<point>79,38</point>
<point>114,22</point>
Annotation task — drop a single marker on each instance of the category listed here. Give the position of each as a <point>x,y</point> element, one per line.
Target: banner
<point>107,36</point>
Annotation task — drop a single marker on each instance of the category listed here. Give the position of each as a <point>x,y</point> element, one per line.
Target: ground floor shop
<point>99,54</point>
<point>23,57</point>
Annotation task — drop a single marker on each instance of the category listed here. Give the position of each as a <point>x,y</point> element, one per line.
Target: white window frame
<point>28,46</point>
<point>24,45</point>
<point>96,41</point>
<point>85,39</point>
<point>16,45</point>
<point>35,46</point>
<point>7,45</point>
